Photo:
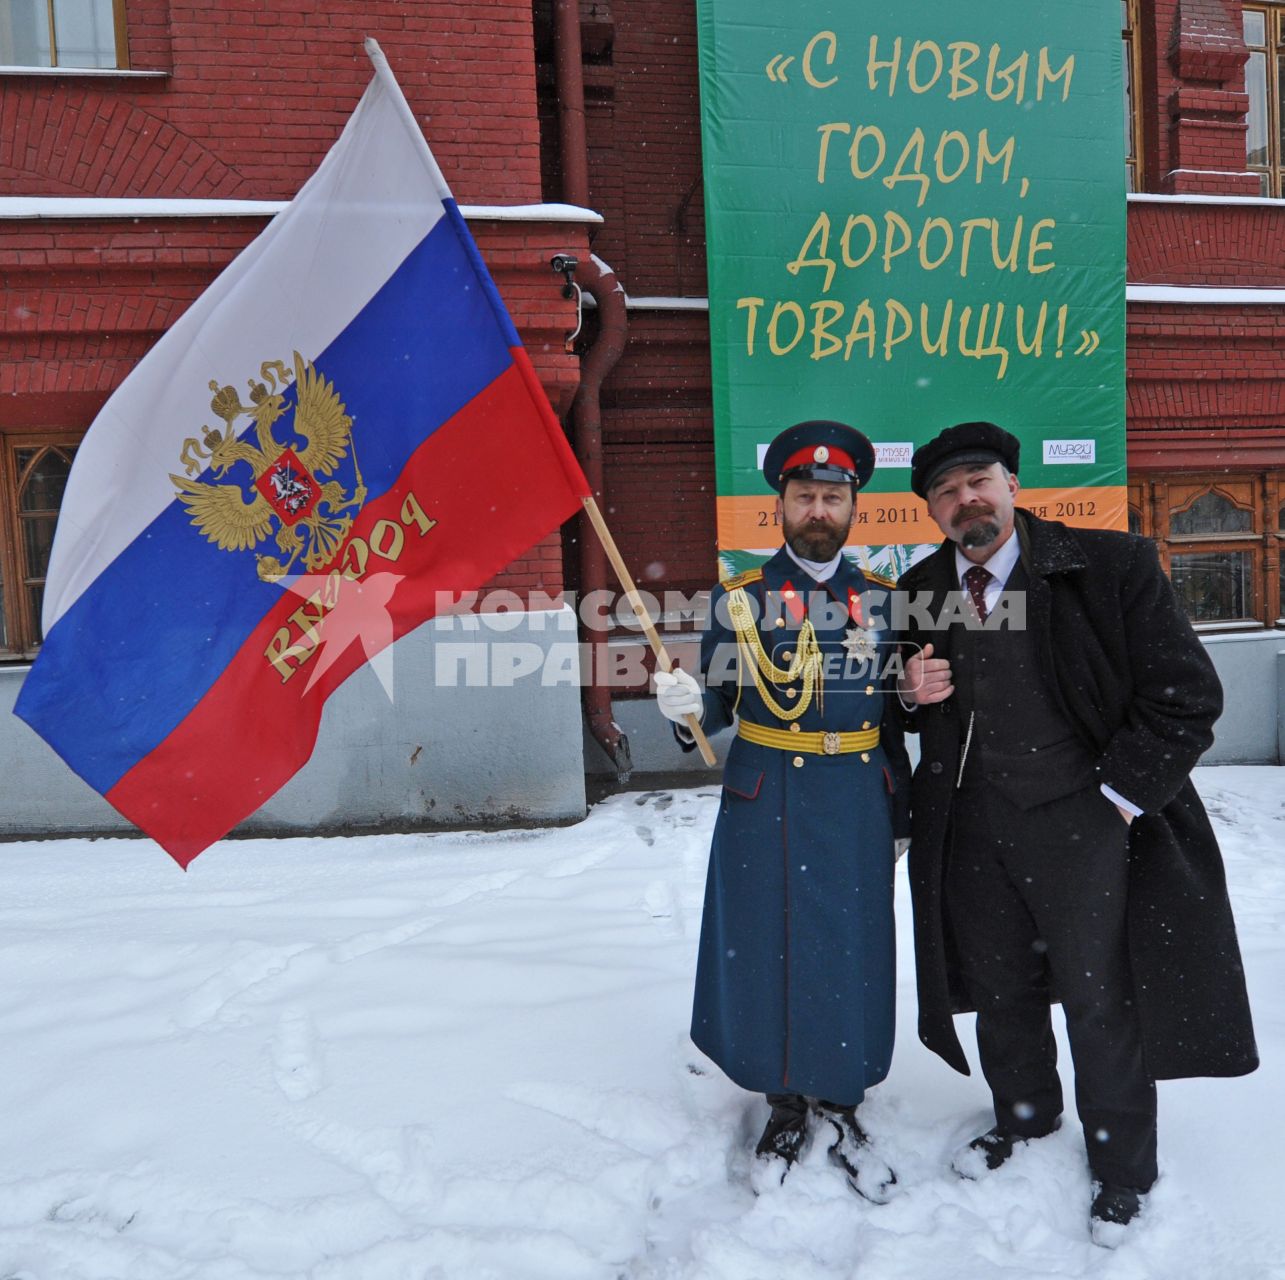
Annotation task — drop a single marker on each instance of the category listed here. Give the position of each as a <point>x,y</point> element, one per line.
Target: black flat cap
<point>819,450</point>
<point>980,443</point>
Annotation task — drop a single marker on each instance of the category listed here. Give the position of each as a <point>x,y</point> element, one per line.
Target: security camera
<point>565,265</point>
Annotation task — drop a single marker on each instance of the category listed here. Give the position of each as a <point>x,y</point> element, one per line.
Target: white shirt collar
<point>1000,565</point>
<point>821,570</point>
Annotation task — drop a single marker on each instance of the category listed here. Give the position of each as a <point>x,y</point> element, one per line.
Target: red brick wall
<point>255,94</point>
<point>1192,96</point>
<point>85,300</point>
<point>643,130</point>
<point>1203,367</point>
<point>644,151</point>
<point>1206,244</point>
<point>1204,384</point>
<point>658,444</point>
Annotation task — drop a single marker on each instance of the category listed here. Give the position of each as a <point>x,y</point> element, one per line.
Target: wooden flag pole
<point>640,611</point>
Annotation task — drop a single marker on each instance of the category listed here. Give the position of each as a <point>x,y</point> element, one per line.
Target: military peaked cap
<point>819,450</point>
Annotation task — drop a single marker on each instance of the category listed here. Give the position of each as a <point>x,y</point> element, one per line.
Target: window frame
<point>1129,35</point>
<point>120,36</point>
<point>1273,172</point>
<point>1206,546</point>
<point>1155,497</point>
<point>21,642</point>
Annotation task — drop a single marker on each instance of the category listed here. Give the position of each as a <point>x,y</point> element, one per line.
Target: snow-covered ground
<point>464,1056</point>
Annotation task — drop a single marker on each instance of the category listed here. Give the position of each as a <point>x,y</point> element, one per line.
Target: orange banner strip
<point>749,523</point>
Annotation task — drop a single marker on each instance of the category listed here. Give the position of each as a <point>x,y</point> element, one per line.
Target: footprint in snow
<point>362,944</point>
<point>660,903</point>
<point>210,999</point>
<point>662,799</point>
<point>296,1056</point>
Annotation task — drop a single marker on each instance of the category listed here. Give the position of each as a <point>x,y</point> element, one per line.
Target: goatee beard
<point>979,535</point>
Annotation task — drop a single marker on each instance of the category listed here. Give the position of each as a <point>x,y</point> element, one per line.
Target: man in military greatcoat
<point>1059,849</point>
<point>794,982</point>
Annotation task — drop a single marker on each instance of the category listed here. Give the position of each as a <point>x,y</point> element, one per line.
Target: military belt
<point>817,744</point>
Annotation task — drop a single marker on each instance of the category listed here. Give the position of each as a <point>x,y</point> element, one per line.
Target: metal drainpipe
<point>599,281</point>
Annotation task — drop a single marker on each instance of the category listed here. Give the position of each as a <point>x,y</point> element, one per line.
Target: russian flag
<point>342,426</point>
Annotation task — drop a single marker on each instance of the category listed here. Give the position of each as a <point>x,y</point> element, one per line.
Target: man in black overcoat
<point>1059,850</point>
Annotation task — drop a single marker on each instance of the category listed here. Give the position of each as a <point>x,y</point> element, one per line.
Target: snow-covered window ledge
<point>36,207</point>
<point>120,73</point>
<point>1227,628</point>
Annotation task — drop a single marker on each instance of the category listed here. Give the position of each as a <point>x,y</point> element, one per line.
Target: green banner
<point>915,217</point>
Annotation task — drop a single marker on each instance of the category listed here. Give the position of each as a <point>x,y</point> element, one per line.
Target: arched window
<point>1221,537</point>
<point>33,476</point>
<point>1212,512</point>
<point>1217,583</point>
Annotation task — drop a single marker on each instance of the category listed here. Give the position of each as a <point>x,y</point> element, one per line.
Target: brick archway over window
<point>91,144</point>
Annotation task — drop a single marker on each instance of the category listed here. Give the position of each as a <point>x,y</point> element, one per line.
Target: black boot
<point>783,1135</point>
<point>867,1173</point>
<point>991,1149</point>
<point>1113,1209</point>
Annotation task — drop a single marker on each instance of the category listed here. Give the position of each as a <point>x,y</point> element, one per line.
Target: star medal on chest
<point>859,643</point>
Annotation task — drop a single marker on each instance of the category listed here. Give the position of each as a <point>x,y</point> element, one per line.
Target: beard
<point>980,533</point>
<point>815,540</point>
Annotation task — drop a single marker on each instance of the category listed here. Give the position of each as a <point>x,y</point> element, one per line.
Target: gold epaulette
<point>742,579</point>
<point>878,578</point>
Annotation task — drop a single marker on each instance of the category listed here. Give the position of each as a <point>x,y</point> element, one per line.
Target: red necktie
<point>975,579</point>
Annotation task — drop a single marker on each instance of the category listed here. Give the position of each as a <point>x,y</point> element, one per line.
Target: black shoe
<point>991,1149</point>
<point>1113,1209</point>
<point>866,1171</point>
<point>784,1134</point>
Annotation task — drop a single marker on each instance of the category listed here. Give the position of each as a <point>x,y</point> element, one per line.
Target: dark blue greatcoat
<point>796,970</point>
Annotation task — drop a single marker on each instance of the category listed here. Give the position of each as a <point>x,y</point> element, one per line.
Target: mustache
<point>977,509</point>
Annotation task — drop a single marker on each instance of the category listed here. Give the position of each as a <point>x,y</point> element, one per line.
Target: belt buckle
<point>831,744</point>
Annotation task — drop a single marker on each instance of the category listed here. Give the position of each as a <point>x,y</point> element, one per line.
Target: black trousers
<point>1039,895</point>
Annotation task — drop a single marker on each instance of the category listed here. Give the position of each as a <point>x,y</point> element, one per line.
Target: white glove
<point>678,696</point>
<point>899,846</point>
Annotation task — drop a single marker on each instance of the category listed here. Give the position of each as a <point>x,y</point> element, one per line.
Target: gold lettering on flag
<point>291,647</point>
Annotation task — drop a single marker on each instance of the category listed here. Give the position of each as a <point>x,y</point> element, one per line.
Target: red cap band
<point>808,458</point>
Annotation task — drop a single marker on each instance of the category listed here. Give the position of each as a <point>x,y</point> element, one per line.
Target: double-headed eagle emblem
<point>285,483</point>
